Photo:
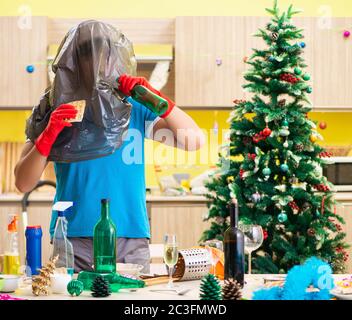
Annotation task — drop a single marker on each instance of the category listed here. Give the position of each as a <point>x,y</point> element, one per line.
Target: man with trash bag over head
<point>100,155</point>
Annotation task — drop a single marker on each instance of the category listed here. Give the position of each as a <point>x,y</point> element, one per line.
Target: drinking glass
<point>214,257</point>
<point>170,255</point>
<point>253,239</point>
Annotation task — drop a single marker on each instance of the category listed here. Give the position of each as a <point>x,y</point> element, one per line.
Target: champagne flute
<point>253,239</point>
<point>170,255</point>
<point>214,257</point>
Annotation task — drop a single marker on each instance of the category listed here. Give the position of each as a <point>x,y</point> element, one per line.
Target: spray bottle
<point>11,256</point>
<point>62,247</point>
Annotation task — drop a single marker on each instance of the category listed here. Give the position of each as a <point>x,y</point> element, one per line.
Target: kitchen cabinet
<point>210,52</point>
<point>22,44</point>
<point>185,219</point>
<point>328,56</point>
<point>208,59</point>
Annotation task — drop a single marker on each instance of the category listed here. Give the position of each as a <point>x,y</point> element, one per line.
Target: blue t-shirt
<point>119,177</point>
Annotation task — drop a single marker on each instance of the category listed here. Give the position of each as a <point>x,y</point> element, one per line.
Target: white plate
<point>341,296</point>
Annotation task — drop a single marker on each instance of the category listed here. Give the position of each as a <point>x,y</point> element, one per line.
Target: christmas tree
<point>273,165</point>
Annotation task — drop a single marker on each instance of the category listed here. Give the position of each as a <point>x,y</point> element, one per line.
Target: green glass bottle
<point>104,242</point>
<point>152,101</point>
<point>149,99</point>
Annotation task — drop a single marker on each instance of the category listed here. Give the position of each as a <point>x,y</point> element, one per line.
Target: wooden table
<point>253,282</point>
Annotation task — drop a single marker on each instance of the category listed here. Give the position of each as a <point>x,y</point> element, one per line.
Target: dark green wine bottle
<point>234,248</point>
<point>104,241</point>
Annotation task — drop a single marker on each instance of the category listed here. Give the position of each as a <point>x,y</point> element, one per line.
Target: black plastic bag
<point>90,59</point>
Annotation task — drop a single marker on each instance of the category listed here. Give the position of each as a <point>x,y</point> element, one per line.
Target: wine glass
<point>214,257</point>
<point>253,239</point>
<point>170,255</point>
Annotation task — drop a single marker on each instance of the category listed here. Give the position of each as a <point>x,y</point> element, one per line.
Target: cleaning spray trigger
<point>62,206</point>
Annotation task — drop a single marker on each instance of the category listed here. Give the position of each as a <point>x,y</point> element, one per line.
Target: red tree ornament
<point>265,234</point>
<point>293,205</point>
<point>287,77</point>
<point>241,173</point>
<point>325,154</point>
<point>262,135</point>
<point>322,187</point>
<point>266,132</point>
<point>323,125</point>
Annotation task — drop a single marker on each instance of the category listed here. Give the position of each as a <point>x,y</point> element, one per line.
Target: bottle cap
<point>104,201</point>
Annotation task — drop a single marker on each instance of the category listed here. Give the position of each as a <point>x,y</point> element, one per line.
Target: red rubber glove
<point>57,122</point>
<point>127,83</point>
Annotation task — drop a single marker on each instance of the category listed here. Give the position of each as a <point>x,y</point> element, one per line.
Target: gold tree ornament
<point>41,282</point>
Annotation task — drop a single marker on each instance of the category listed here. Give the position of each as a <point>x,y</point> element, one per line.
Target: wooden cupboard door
<point>22,45</point>
<point>329,58</point>
<point>209,55</point>
<point>201,42</point>
<point>184,220</point>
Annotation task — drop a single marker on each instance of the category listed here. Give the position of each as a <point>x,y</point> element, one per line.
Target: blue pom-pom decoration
<point>30,68</point>
<point>314,272</point>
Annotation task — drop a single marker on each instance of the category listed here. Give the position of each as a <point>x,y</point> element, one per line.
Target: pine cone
<point>210,288</point>
<point>100,288</point>
<point>299,147</point>
<point>282,102</point>
<point>274,36</point>
<point>231,290</point>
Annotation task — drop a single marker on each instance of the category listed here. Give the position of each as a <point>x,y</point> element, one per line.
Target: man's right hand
<point>57,122</point>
